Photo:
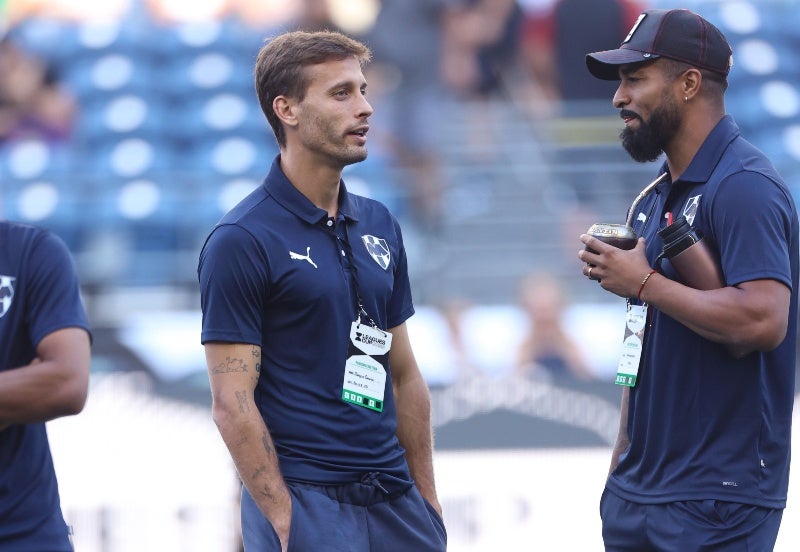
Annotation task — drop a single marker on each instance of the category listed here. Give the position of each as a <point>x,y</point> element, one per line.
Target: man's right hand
<point>282,523</point>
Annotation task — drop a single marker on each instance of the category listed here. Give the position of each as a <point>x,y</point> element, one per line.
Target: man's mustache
<point>626,114</point>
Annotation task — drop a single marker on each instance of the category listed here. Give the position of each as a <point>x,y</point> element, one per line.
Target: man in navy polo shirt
<point>305,294</point>
<point>44,374</point>
<point>702,458</point>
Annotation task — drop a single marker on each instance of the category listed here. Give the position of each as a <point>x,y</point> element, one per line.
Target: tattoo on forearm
<point>265,490</point>
<point>259,472</point>
<point>256,352</point>
<point>230,365</point>
<point>244,404</point>
<point>267,493</point>
<point>267,444</point>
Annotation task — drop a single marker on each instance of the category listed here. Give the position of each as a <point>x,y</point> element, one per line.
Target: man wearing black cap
<point>702,457</point>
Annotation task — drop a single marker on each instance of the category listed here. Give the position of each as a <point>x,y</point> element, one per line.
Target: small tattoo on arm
<point>244,404</point>
<point>230,366</point>
<point>256,352</point>
<point>267,444</point>
<point>265,490</point>
<point>260,470</point>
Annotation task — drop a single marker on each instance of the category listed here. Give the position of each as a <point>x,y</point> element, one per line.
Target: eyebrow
<point>348,84</point>
<point>629,69</point>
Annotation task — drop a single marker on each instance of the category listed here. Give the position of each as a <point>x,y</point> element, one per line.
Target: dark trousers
<point>357,517</point>
<point>687,526</point>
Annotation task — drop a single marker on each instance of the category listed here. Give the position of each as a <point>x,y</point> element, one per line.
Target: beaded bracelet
<point>644,281</point>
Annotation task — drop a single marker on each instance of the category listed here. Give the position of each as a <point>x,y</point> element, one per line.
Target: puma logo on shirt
<point>306,257</point>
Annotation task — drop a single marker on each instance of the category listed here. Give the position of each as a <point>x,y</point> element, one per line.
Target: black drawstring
<point>371,478</point>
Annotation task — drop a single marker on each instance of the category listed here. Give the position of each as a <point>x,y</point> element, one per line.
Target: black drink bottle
<point>692,259</point>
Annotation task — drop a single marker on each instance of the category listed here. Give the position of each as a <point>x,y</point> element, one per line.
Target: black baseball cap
<point>676,34</point>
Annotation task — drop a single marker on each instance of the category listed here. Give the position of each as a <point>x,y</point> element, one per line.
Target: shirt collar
<point>285,193</point>
<point>710,152</point>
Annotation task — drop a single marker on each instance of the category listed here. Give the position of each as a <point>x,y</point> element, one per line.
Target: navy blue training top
<point>39,294</point>
<point>703,425</point>
<point>276,274</point>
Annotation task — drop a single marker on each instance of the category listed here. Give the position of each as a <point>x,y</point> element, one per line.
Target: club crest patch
<point>6,293</point>
<point>690,209</point>
<point>378,249</point>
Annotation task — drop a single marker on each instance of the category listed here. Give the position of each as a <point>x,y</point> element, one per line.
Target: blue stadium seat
<point>33,158</point>
<point>47,202</point>
<point>209,116</point>
<point>132,157</point>
<point>188,73</point>
<point>111,117</point>
<point>232,155</point>
<point>111,73</point>
<point>50,39</point>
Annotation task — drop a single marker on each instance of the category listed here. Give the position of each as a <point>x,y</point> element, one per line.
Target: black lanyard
<point>348,254</point>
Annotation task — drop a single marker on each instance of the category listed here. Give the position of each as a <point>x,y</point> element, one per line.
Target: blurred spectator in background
<point>548,351</point>
<point>481,43</point>
<point>406,44</point>
<point>180,11</point>
<point>67,10</point>
<point>555,41</point>
<point>32,101</point>
<point>453,311</point>
<point>315,15</point>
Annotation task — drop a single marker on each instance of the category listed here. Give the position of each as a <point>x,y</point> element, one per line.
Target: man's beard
<point>647,142</point>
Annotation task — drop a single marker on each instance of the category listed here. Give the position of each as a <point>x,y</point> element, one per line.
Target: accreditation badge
<point>631,355</point>
<point>364,370</point>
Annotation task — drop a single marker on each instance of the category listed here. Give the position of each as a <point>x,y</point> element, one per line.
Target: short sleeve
<point>54,293</point>
<point>233,275</point>
<point>400,305</point>
<point>752,221</point>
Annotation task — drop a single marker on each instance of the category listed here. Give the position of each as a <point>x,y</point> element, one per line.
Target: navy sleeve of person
<point>39,294</point>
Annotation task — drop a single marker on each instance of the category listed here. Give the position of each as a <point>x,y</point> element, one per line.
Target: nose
<point>364,107</point>
<point>620,98</point>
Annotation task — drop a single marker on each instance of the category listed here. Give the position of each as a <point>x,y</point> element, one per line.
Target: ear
<point>690,83</point>
<point>284,109</point>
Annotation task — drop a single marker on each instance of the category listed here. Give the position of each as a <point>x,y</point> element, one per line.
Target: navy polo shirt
<point>39,294</point>
<point>703,425</point>
<point>277,273</point>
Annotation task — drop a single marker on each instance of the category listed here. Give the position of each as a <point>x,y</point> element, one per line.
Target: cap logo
<point>635,26</point>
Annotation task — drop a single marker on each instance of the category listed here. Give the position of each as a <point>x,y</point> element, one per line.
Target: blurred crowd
<point>524,51</point>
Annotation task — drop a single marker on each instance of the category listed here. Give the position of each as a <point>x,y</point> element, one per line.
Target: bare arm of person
<point>54,384</point>
<point>413,414</point>
<point>233,370</point>
<point>751,316</point>
<point>622,443</point>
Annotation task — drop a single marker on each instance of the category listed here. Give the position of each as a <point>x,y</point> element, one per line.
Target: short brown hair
<point>281,62</point>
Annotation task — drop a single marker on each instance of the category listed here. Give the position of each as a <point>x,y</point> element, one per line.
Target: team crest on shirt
<point>6,293</point>
<point>690,209</point>
<point>378,249</point>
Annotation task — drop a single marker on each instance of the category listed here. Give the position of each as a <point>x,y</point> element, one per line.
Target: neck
<point>318,182</point>
<point>683,147</point>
